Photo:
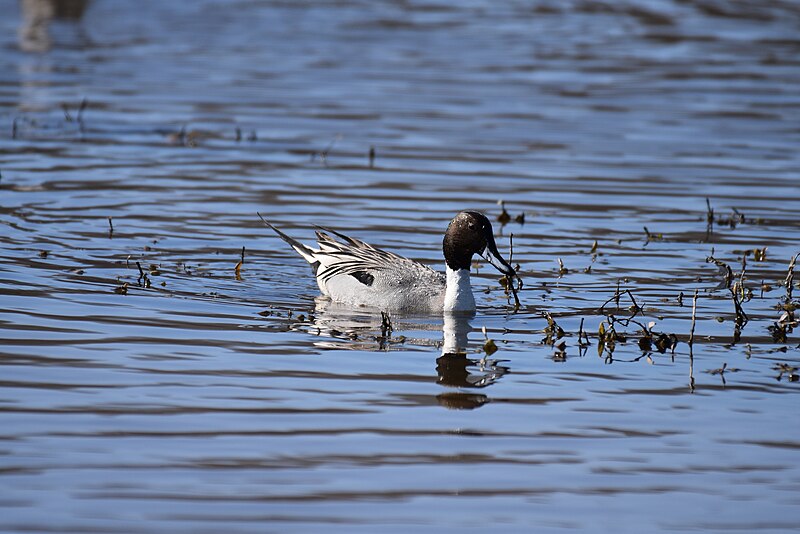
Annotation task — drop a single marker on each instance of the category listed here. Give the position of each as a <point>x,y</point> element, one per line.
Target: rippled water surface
<point>182,398</point>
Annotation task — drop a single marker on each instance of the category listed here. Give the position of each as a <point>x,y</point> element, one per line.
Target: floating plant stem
<point>583,337</point>
<point>789,281</point>
<point>725,271</point>
<point>507,281</point>
<point>143,280</point>
<point>741,317</point>
<point>635,308</point>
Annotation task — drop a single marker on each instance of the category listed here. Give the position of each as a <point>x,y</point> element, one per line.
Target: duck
<point>354,273</point>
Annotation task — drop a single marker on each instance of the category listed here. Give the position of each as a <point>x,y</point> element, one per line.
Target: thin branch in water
<point>507,281</point>
<point>790,277</point>
<point>725,271</point>
<point>694,318</point>
<point>635,307</point>
<point>81,108</point>
<point>709,219</point>
<point>583,337</point>
<point>143,280</point>
<point>79,115</point>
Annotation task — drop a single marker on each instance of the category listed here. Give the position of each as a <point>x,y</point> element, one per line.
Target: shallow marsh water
<point>203,402</point>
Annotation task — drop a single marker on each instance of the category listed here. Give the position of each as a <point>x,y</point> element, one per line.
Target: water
<point>202,402</point>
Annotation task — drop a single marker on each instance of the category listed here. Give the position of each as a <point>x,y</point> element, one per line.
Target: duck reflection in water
<point>342,327</point>
<point>455,369</point>
<point>37,15</point>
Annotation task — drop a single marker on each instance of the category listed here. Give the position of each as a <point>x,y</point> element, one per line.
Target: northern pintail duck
<point>355,273</point>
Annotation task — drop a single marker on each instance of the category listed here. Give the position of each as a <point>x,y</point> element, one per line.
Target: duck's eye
<point>471,226</point>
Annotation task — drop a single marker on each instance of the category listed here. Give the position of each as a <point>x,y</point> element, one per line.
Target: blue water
<point>193,401</point>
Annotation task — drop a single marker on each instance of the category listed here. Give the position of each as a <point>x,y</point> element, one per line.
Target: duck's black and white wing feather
<point>369,265</point>
<point>356,272</point>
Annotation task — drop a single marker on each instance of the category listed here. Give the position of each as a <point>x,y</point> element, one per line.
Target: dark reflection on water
<point>179,398</point>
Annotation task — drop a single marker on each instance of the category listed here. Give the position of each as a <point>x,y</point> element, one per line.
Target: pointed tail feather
<point>306,252</point>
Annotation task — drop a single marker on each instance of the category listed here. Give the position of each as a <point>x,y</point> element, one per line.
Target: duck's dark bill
<point>492,255</point>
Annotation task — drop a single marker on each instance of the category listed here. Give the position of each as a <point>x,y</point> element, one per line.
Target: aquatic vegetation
<point>238,269</point>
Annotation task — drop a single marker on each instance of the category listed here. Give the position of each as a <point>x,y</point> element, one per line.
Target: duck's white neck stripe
<point>458,294</point>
